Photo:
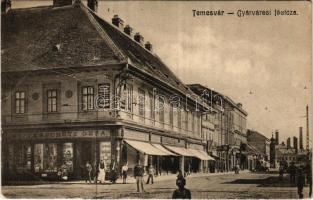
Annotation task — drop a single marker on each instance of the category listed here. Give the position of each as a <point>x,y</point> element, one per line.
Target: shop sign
<point>173,141</point>
<point>155,138</point>
<point>196,146</point>
<point>137,135</point>
<point>60,134</point>
<point>105,152</point>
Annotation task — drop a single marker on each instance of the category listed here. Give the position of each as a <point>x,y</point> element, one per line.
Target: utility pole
<point>307,128</point>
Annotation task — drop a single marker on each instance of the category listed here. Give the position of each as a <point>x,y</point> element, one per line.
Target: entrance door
<point>86,153</point>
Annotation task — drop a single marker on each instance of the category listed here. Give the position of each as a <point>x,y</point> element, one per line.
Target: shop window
<point>141,103</point>
<point>88,98</point>
<point>20,102</point>
<point>68,156</point>
<point>38,157</point>
<point>52,97</point>
<point>50,158</point>
<point>104,95</point>
<point>105,152</point>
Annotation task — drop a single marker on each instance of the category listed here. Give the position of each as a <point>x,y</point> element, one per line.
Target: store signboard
<point>105,152</point>
<point>136,135</point>
<point>61,134</point>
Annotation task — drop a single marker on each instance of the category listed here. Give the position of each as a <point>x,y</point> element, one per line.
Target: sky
<point>264,62</point>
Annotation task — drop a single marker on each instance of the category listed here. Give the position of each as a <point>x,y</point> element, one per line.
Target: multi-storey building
<point>76,88</point>
<point>230,126</point>
<point>260,142</point>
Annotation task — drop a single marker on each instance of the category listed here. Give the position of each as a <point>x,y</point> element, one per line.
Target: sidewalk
<point>130,179</point>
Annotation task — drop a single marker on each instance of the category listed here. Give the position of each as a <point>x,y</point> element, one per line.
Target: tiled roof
<point>48,38</point>
<point>73,36</point>
<point>141,57</point>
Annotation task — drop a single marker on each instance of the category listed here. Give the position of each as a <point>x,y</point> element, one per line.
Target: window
<point>20,102</point>
<point>178,117</point>
<point>88,98</point>
<point>52,100</point>
<point>104,95</point>
<point>193,122</point>
<point>161,109</point>
<point>186,120</point>
<point>141,103</point>
<point>151,101</point>
<point>126,99</point>
<point>171,115</point>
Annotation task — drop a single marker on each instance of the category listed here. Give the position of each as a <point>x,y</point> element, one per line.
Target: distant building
<point>260,142</point>
<point>230,126</point>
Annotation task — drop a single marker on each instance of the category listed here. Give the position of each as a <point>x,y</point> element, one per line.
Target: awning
<point>200,154</point>
<point>160,147</point>
<point>145,147</point>
<point>180,151</point>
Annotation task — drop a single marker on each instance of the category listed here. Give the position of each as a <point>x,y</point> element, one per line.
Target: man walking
<point>124,172</point>
<point>151,173</point>
<point>138,174</point>
<point>88,172</point>
<point>181,192</point>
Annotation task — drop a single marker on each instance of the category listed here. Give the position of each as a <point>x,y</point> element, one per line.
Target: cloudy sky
<point>262,62</point>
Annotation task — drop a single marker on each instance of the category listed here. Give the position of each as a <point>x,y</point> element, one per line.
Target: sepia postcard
<point>156,99</point>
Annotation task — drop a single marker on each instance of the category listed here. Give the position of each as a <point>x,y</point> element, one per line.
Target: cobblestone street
<point>243,185</point>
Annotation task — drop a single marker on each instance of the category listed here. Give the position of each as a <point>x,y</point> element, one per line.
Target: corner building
<point>76,88</point>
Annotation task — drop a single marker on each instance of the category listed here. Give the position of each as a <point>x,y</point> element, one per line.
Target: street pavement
<point>245,185</point>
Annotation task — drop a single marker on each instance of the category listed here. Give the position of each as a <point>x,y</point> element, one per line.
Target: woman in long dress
<point>102,168</point>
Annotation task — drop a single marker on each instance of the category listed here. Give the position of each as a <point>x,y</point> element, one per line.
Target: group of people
<point>299,176</point>
<point>98,175</point>
<point>180,193</point>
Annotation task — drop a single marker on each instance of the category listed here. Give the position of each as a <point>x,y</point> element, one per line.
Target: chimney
<point>138,38</point>
<point>148,46</point>
<point>5,6</point>
<point>93,5</point>
<point>60,3</point>
<point>300,138</point>
<point>118,22</point>
<point>128,30</point>
<point>288,143</point>
<point>295,143</point>
<point>277,137</point>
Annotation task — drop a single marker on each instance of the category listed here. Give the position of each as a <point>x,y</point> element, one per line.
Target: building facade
<point>229,120</point>
<point>260,142</point>
<point>76,88</point>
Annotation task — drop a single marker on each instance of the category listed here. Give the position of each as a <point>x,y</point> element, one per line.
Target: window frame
<point>50,98</point>
<point>88,97</point>
<point>19,100</point>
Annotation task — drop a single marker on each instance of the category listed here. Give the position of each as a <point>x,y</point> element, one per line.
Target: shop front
<point>42,154</point>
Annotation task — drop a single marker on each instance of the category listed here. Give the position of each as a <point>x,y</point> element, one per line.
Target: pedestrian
<point>180,174</point>
<point>150,174</point>
<point>124,172</point>
<point>181,192</point>
<point>138,174</point>
<point>300,182</point>
<point>101,171</point>
<point>309,177</point>
<point>114,175</point>
<point>88,172</point>
<point>281,172</point>
<point>292,172</point>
